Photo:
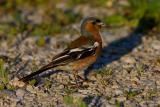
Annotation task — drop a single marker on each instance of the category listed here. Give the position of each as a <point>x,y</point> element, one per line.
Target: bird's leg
<point>75,73</point>
<point>78,84</point>
<point>77,77</point>
<point>86,73</point>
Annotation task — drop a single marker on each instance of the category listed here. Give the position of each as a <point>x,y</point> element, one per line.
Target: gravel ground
<point>126,75</point>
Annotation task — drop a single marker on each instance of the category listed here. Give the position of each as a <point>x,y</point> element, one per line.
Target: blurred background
<point>49,17</point>
<point>33,31</point>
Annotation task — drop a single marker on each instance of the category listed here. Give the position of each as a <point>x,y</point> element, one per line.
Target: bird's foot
<point>80,78</point>
<point>77,82</point>
<point>85,79</point>
<point>78,85</point>
<point>89,80</point>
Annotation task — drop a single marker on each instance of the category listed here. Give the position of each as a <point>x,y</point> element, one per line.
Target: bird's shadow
<point>118,48</point>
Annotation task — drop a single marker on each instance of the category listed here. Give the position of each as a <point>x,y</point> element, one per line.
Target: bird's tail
<point>44,68</point>
<point>57,62</point>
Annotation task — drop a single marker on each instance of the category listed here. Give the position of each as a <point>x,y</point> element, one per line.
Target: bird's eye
<point>98,21</point>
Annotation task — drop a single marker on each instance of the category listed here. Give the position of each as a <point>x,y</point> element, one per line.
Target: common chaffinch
<point>81,53</point>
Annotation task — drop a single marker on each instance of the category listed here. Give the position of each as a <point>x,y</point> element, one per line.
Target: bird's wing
<point>68,56</point>
<point>81,41</point>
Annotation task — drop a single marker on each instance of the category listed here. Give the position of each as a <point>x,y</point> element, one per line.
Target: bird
<point>81,52</point>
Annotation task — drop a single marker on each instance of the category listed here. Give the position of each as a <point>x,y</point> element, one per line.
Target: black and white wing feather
<point>67,56</point>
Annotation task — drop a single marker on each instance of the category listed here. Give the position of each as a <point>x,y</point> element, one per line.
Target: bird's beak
<point>101,24</point>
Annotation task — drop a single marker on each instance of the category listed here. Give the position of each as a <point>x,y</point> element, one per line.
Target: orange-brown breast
<point>83,63</point>
<point>95,32</point>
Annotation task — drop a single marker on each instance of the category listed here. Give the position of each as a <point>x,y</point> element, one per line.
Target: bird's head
<point>90,25</point>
